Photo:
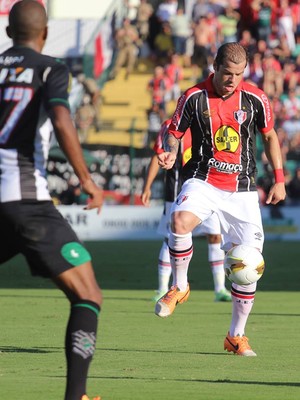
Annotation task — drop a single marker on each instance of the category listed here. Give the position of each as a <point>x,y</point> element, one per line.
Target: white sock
<point>242,303</point>
<point>164,268</point>
<point>181,252</point>
<point>216,261</point>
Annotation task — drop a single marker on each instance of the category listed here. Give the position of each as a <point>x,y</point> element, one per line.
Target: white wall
<point>78,9</point>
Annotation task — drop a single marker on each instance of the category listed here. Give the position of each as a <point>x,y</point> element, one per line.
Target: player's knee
<point>182,223</point>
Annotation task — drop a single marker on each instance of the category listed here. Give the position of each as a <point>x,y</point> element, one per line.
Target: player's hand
<point>276,194</point>
<point>145,197</point>
<point>95,195</point>
<point>166,160</point>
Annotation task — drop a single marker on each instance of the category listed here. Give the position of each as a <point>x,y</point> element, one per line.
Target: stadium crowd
<point>192,30</point>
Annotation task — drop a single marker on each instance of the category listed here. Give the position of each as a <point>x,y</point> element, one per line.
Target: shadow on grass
<point>217,381</point>
<point>37,350</point>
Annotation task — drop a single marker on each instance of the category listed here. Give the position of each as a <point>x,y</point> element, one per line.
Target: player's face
<point>227,77</point>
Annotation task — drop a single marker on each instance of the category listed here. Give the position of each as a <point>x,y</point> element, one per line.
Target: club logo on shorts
<point>227,139</point>
<point>181,198</point>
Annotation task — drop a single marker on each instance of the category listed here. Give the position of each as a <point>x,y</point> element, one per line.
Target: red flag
<point>99,57</point>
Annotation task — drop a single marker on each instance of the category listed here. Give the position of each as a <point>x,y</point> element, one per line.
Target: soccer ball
<point>244,265</point>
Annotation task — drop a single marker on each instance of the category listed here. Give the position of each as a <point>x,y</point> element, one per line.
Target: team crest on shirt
<point>181,198</point>
<point>240,116</point>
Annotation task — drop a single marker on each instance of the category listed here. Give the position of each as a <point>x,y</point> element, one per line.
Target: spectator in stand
<point>144,12</point>
<point>264,19</point>
<point>200,10</point>
<point>290,75</point>
<point>282,51</point>
<point>174,71</point>
<point>228,21</point>
<point>273,78</point>
<point>155,118</point>
<point>286,23</point>
<point>163,45</point>
<point>291,104</point>
<point>132,8</point>
<point>204,34</point>
<point>166,9</point>
<point>158,86</point>
<point>248,41</point>
<point>92,90</point>
<point>254,70</point>
<point>180,31</point>
<point>128,42</point>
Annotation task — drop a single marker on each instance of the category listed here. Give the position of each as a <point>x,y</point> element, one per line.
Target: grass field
<point>140,356</point>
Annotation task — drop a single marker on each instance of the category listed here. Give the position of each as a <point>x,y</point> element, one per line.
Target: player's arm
<point>273,153</point>
<point>167,159</point>
<point>67,138</point>
<point>151,175</point>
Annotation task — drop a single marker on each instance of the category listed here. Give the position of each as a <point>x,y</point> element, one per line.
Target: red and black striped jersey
<point>223,133</point>
<point>30,84</point>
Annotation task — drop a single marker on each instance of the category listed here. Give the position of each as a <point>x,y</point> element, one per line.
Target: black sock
<point>80,346</point>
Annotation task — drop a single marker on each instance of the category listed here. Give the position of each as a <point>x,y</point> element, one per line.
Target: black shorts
<point>39,232</point>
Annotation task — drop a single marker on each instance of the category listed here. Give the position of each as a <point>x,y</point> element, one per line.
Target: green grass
<point>140,356</point>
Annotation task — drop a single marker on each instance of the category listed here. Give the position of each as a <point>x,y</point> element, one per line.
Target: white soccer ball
<point>244,265</point>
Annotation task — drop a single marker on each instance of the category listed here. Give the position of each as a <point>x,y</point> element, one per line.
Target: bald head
<point>27,22</point>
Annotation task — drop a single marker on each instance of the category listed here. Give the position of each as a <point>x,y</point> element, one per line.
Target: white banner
<point>114,222</point>
<point>139,222</point>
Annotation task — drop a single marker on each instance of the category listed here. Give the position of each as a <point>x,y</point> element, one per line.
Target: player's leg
<point>243,225</point>
<point>212,229</point>
<point>53,250</point>
<point>164,265</point>
<point>80,286</point>
<point>216,262</point>
<point>164,270</point>
<point>181,250</point>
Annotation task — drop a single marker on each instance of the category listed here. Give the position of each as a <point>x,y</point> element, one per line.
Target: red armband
<point>279,176</point>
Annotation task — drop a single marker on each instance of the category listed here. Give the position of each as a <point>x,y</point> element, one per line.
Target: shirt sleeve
<point>57,86</point>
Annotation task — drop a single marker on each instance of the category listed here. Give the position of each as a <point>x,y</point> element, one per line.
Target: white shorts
<point>238,212</point>
<point>210,226</point>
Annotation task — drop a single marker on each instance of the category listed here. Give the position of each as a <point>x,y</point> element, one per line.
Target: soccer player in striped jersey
<point>34,88</point>
<point>224,114</point>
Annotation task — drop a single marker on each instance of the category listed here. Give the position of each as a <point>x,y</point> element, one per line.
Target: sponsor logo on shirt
<point>227,139</point>
<point>223,166</point>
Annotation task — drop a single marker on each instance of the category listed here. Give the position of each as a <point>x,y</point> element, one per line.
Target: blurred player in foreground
<point>34,87</point>
<point>211,227</point>
<point>224,114</point>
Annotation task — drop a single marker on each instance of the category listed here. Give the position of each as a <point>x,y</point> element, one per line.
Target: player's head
<point>229,66</point>
<point>28,23</point>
